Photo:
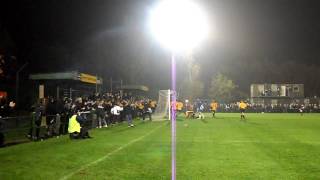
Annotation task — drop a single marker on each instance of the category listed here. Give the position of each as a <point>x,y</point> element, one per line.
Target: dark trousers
<point>1,139</point>
<point>109,118</point>
<point>51,119</point>
<point>84,132</point>
<point>129,119</point>
<point>64,124</point>
<point>116,118</point>
<point>37,127</point>
<point>146,114</point>
<point>101,117</point>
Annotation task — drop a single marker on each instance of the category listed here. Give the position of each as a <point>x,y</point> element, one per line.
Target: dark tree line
<point>246,71</point>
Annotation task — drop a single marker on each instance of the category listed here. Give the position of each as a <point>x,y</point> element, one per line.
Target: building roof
<point>135,87</point>
<point>72,75</point>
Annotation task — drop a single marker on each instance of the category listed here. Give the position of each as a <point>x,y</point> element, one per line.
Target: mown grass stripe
<point>110,153</point>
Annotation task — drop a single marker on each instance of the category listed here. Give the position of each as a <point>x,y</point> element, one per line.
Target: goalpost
<point>163,106</point>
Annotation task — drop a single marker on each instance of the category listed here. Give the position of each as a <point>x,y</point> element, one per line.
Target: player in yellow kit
<point>179,106</point>
<point>214,106</point>
<point>153,105</point>
<point>242,107</point>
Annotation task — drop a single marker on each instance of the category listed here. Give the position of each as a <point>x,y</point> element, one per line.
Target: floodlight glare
<point>178,24</point>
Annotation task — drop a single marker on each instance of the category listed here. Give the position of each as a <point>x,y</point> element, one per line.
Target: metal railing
<point>16,129</point>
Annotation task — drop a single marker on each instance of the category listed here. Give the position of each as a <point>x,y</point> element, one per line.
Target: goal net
<point>163,106</point>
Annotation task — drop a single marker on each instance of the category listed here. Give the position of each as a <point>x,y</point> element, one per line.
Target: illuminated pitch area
<point>267,146</point>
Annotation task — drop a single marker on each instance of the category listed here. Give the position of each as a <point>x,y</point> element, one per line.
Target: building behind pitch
<point>276,94</point>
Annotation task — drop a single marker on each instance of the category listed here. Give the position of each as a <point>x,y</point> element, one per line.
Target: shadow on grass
<point>218,118</point>
<point>124,127</point>
<point>204,121</point>
<point>251,123</point>
<point>12,143</point>
<point>255,123</point>
<point>179,119</point>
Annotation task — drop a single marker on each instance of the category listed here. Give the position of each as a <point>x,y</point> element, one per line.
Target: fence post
<point>70,93</point>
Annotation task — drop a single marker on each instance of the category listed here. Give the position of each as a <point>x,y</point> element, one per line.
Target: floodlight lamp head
<point>178,25</point>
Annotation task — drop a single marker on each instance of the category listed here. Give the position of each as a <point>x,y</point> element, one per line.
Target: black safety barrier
<point>20,129</point>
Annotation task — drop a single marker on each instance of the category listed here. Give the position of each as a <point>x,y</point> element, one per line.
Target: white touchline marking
<point>109,154</point>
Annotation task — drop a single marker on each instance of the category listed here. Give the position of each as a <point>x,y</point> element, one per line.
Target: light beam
<point>179,25</point>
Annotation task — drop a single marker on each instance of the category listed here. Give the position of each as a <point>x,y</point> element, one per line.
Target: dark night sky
<point>109,37</point>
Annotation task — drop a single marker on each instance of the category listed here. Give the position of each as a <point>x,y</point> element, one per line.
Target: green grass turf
<point>267,146</point>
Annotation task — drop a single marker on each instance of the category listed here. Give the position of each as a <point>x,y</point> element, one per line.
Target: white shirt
<point>12,104</point>
<point>116,110</point>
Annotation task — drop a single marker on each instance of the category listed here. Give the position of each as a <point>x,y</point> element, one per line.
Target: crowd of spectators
<point>276,108</point>
<point>7,107</point>
<point>96,111</point>
<point>50,116</point>
<point>259,108</point>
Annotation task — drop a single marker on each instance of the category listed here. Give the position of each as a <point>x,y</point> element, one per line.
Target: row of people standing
<point>54,114</point>
<point>50,114</point>
<point>110,114</point>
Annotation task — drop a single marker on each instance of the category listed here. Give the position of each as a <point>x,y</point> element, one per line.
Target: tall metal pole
<point>18,82</point>
<point>58,92</point>
<point>70,91</point>
<point>169,101</point>
<point>96,84</point>
<point>111,84</point>
<point>173,118</point>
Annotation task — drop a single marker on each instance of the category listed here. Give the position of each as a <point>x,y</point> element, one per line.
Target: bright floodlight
<point>178,24</point>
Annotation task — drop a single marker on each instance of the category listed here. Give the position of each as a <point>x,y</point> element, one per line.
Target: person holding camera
<point>77,128</point>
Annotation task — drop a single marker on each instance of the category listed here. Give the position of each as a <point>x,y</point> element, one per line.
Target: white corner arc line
<point>110,154</point>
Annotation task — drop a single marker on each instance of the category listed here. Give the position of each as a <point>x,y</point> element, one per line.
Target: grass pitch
<point>267,146</point>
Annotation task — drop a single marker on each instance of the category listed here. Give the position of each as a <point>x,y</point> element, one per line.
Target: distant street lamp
<point>179,25</point>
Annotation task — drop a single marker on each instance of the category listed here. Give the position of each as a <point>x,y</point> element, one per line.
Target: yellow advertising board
<point>88,78</point>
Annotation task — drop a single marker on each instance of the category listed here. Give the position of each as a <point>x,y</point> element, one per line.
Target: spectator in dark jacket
<point>128,112</point>
<point>51,112</point>
<point>38,112</point>
<point>59,116</point>
<point>147,111</point>
<point>3,107</point>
